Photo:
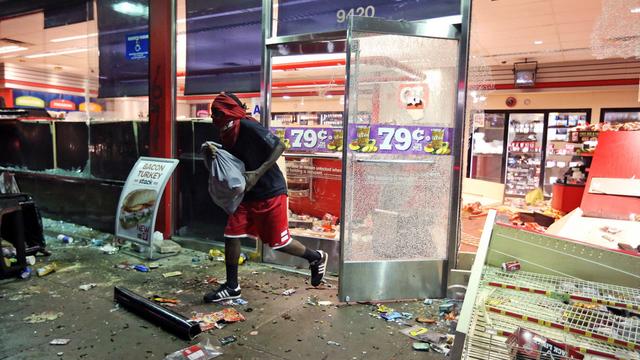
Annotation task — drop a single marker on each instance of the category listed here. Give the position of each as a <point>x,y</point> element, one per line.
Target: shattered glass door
<point>398,164</point>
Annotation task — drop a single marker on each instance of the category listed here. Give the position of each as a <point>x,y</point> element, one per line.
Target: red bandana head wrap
<point>226,114</point>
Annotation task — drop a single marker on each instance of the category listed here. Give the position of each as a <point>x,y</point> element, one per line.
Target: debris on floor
<point>334,343</point>
<point>87,287</point>
<point>172,274</point>
<point>200,351</point>
<point>289,292</point>
<point>59,341</point>
<point>42,317</point>
<point>228,340</point>
<point>47,269</point>
<point>109,249</point>
<point>218,319</point>
<point>165,301</point>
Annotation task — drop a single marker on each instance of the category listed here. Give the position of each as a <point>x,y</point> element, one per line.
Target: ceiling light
<point>133,9</point>
<point>329,96</point>
<point>56,53</point>
<point>636,10</point>
<point>286,97</point>
<point>537,42</point>
<point>11,48</point>
<point>76,37</point>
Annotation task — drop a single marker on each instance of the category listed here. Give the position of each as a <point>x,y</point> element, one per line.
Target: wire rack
<point>554,286</point>
<point>489,332</point>
<point>591,323</point>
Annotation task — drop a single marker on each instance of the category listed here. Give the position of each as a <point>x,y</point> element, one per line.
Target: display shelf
<point>523,153</point>
<point>492,330</point>
<point>591,323</point>
<point>548,285</point>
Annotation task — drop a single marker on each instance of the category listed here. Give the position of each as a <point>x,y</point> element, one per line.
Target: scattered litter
<point>391,316</point>
<point>65,239</point>
<point>46,270</point>
<point>26,273</point>
<point>172,274</point>
<point>154,266</point>
<point>414,332</point>
<point>42,317</point>
<point>141,268</point>
<point>312,300</point>
<point>60,353</point>
<point>228,340</point>
<point>200,351</point>
<point>446,307</point>
<point>243,258</point>
<point>253,333</point>
<point>442,349</point>
<point>424,320</point>
<point>334,343</point>
<point>163,300</point>
<point>59,341</point>
<point>238,301</point>
<point>289,292</point>
<point>168,247</point>
<point>31,260</point>
<point>195,260</point>
<point>325,303</point>
<point>115,308</point>
<point>420,346</point>
<point>214,253</point>
<point>384,309</point>
<point>123,265</point>
<point>109,249</point>
<point>209,321</point>
<point>87,287</point>
<point>97,242</point>
<point>428,301</point>
<point>407,315</point>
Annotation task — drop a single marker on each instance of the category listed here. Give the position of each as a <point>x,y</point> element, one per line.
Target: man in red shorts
<point>263,211</point>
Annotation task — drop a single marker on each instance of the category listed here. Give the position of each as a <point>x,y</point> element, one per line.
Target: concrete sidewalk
<point>288,327</point>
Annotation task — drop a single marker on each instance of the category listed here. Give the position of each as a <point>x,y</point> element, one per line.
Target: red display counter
<point>566,197</point>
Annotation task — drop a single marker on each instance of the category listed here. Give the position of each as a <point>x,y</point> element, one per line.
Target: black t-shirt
<point>254,146</point>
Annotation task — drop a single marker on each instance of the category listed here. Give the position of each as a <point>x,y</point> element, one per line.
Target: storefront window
<point>75,106</point>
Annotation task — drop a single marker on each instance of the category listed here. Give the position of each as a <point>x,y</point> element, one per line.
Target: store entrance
<point>369,121</point>
<point>305,109</point>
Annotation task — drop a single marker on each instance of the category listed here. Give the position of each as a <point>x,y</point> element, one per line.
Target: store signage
<point>400,139</point>
<point>62,104</point>
<point>50,101</point>
<point>308,139</point>
<point>313,16</point>
<point>137,46</point>
<point>91,107</point>
<point>381,139</point>
<point>29,101</point>
<point>138,205</point>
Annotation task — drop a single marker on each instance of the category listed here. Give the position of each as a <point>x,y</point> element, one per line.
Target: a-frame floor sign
<point>138,205</point>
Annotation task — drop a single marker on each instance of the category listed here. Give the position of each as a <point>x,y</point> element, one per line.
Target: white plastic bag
<point>200,351</point>
<point>226,179</point>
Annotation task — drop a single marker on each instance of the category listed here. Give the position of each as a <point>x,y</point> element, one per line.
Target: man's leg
<point>296,248</point>
<point>238,227</point>
<point>231,256</point>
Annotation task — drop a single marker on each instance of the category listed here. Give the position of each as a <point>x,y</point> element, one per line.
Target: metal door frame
<point>427,29</point>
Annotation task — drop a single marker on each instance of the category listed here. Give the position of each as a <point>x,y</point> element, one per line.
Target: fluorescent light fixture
<point>131,8</point>
<point>56,53</point>
<point>537,42</point>
<point>11,48</point>
<point>286,97</point>
<point>76,37</point>
<point>329,96</point>
<point>636,10</point>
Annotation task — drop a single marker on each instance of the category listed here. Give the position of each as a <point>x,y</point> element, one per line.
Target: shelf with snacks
<point>326,227</point>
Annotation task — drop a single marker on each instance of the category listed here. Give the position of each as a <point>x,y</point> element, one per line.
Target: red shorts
<point>264,219</point>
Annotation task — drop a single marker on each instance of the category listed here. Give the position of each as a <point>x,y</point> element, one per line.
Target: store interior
<point>535,128</point>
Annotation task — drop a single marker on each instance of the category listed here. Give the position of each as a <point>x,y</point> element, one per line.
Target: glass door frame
<point>425,29</point>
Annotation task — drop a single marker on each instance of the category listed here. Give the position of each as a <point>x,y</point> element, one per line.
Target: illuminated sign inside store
<point>29,101</point>
<point>62,104</point>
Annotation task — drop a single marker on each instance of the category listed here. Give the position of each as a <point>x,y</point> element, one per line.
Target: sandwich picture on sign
<point>137,208</point>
